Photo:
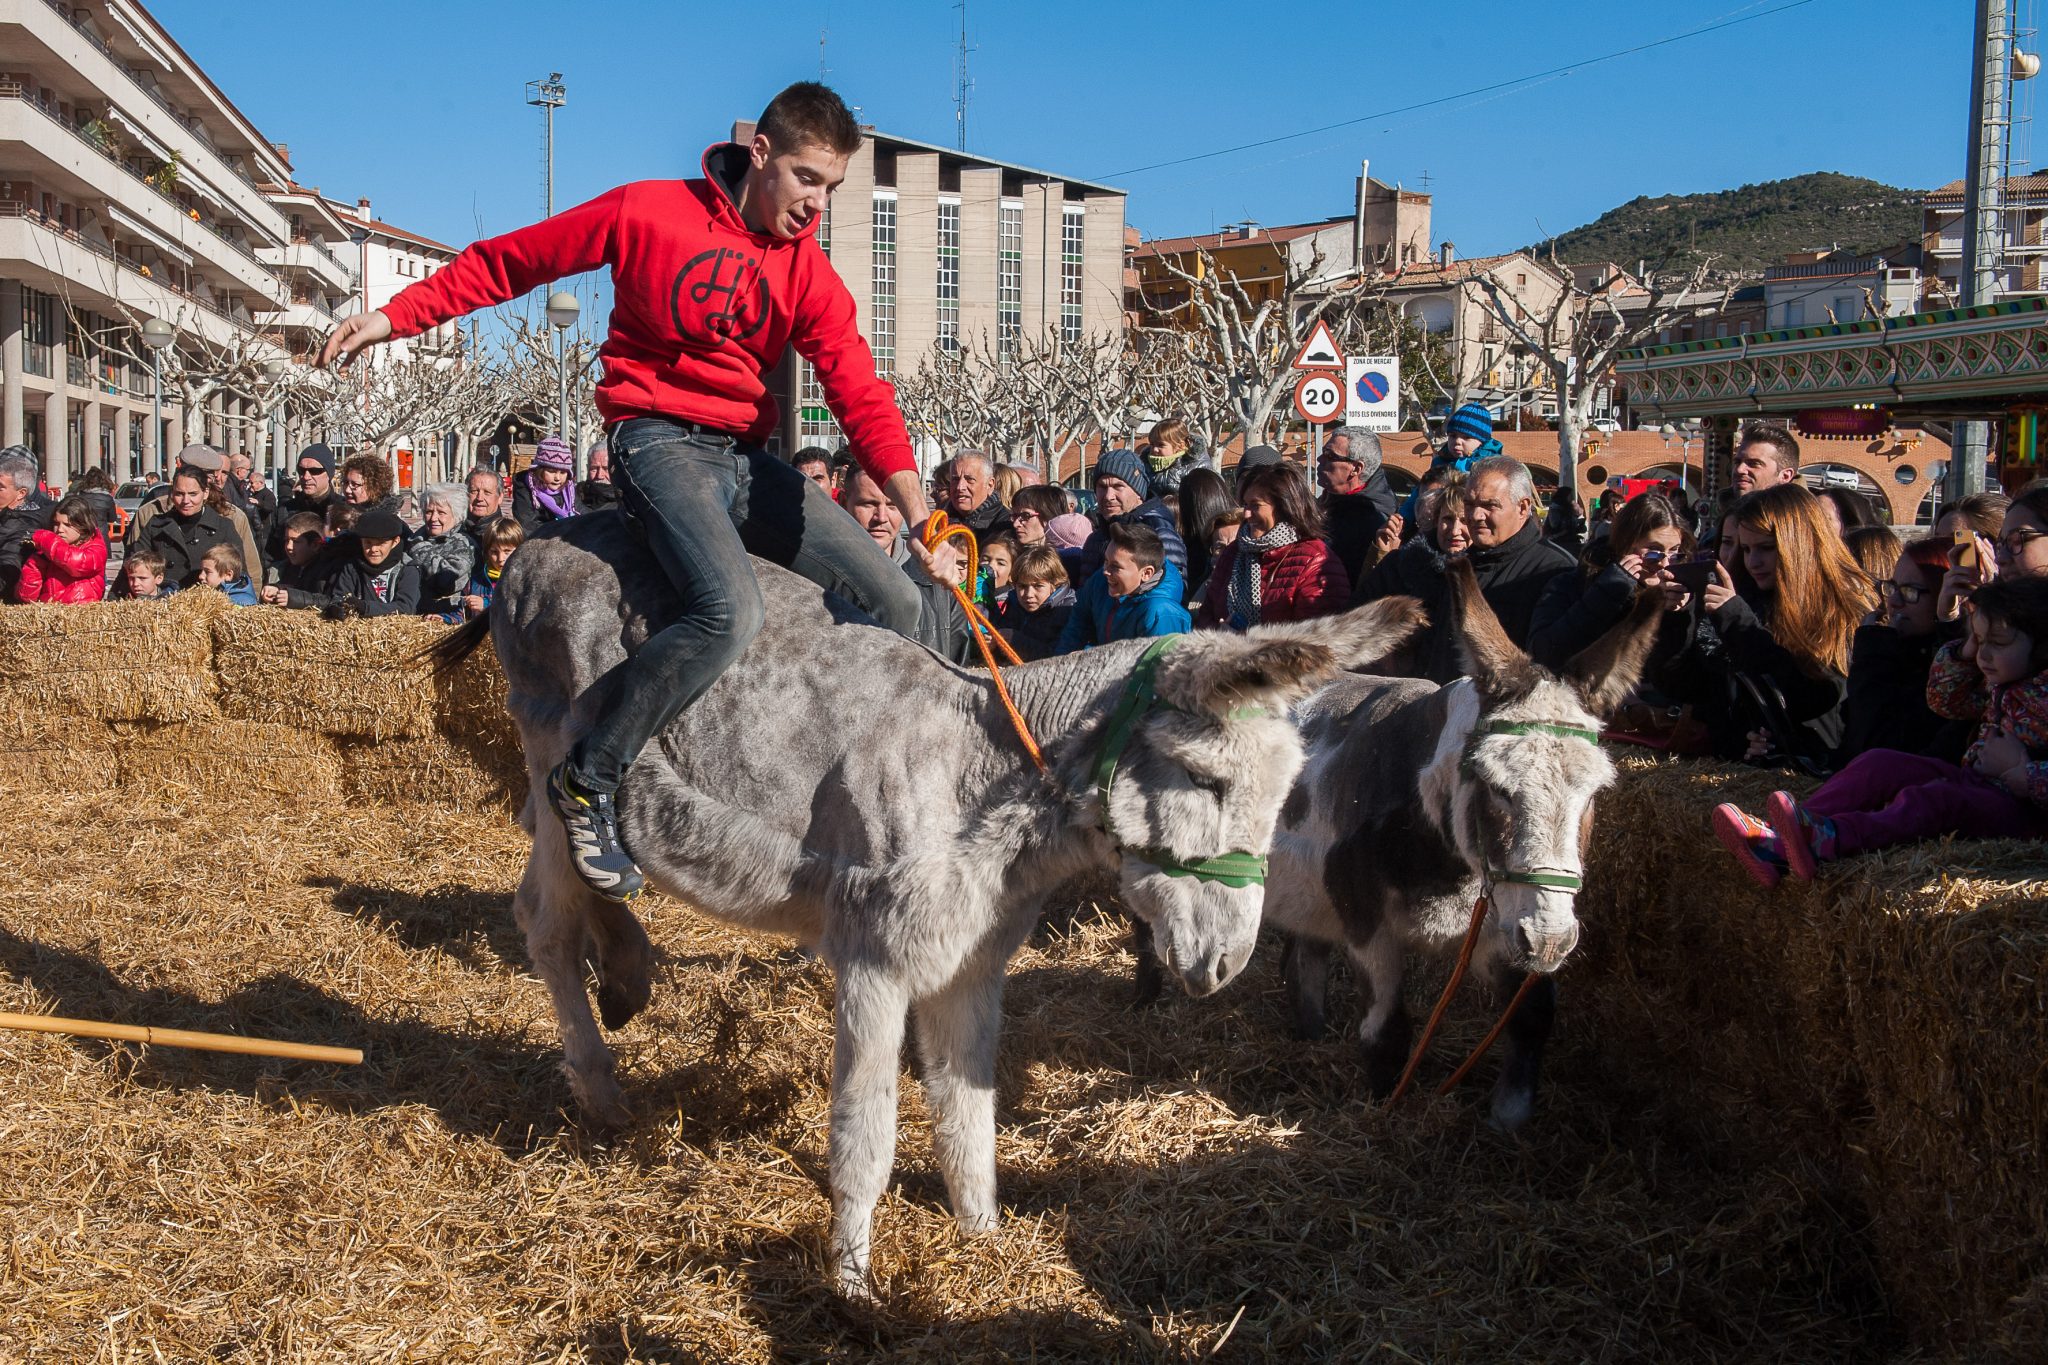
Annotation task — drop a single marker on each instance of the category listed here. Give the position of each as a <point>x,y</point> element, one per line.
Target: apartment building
<point>1820,288</point>
<point>2024,216</point>
<point>132,190</point>
<point>940,248</point>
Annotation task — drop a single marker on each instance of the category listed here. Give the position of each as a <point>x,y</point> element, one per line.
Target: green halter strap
<point>1140,697</point>
<point>1561,881</point>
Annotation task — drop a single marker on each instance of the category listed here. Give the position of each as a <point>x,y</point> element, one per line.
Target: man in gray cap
<point>1356,498</point>
<point>211,467</point>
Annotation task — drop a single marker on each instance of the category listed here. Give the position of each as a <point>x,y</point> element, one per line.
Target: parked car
<point>1604,424</point>
<point>127,499</point>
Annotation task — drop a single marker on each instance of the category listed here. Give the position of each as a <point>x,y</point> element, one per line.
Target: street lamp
<point>1690,433</point>
<point>274,372</point>
<point>562,311</point>
<point>157,334</point>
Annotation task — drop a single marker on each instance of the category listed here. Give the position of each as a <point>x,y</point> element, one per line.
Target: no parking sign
<point>1372,392</point>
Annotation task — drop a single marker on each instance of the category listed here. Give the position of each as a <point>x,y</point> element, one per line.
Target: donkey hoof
<point>600,1104</point>
<point>1512,1110</point>
<point>1150,982</point>
<point>855,1282</point>
<point>617,1006</point>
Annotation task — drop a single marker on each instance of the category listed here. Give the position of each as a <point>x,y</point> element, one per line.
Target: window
<point>1073,227</point>
<point>39,328</point>
<point>949,276</point>
<point>883,295</point>
<point>1009,280</point>
<point>814,424</point>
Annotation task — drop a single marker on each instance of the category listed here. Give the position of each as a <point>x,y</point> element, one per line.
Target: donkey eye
<point>1211,785</point>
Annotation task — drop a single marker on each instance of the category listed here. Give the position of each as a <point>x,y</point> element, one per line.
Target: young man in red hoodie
<point>712,280</point>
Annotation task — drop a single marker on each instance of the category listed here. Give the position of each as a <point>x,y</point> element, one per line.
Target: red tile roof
<point>379,226</point>
<point>1428,273</point>
<point>2031,184</point>
<point>1211,241</point>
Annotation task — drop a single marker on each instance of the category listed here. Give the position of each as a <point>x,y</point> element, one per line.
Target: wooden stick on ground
<point>177,1037</point>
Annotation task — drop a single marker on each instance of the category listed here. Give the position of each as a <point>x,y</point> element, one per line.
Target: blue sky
<point>420,105</point>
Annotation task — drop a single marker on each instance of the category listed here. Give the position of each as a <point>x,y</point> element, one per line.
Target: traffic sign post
<point>1372,393</point>
<point>1319,396</point>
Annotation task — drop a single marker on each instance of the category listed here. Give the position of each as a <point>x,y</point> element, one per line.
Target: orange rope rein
<point>937,531</point>
<point>1499,1025</point>
<point>1436,1016</point>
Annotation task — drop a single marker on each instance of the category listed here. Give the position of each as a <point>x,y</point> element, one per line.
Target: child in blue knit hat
<point>1468,439</point>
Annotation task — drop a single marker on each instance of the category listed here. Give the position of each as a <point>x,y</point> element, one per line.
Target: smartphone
<point>1964,555</point>
<point>1694,574</point>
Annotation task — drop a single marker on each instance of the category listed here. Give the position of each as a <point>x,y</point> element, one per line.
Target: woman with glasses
<point>2020,550</point>
<point>1032,509</point>
<point>1890,658</point>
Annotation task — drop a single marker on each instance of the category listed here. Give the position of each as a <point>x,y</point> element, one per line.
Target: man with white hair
<point>970,496</point>
<point>23,511</point>
<point>1356,498</point>
<point>1511,560</point>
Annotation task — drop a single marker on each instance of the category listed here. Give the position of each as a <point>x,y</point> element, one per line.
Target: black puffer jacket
<point>17,524</point>
<point>1812,701</point>
<point>1511,576</point>
<point>1351,520</point>
<point>1580,607</point>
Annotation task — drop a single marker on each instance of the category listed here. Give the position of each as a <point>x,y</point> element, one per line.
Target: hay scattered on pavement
<point>1174,1178</point>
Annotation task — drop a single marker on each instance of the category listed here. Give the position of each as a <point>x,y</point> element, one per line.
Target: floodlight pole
<point>1983,219</point>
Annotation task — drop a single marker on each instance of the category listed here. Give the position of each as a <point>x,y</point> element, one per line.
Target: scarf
<point>1247,585</point>
<point>560,504</point>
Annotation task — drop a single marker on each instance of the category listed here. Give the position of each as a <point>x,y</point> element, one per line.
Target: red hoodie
<point>702,308</point>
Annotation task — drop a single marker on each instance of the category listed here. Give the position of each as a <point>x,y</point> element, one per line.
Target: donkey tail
<point>458,644</point>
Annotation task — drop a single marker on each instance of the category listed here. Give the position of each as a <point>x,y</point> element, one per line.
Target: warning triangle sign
<point>1320,351</point>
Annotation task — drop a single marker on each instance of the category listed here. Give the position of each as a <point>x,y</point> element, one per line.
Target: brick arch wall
<point>1626,454</point>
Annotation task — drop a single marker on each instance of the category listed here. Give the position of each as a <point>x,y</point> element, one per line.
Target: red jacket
<point>57,571</point>
<point>1296,582</point>
<point>702,309</point>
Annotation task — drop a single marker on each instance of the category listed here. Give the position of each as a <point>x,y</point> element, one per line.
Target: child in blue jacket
<point>1138,592</point>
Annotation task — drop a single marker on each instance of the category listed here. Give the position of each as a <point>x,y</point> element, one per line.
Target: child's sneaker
<point>1752,842</point>
<point>1806,840</point>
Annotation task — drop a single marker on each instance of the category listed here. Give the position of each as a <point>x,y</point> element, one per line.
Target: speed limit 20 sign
<point>1319,396</point>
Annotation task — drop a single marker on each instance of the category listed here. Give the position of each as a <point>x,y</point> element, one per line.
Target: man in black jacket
<point>1357,499</point>
<point>1510,559</point>
<point>969,497</point>
<point>23,511</point>
<point>312,491</point>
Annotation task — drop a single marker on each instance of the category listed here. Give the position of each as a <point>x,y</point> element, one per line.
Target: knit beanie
<point>320,455</point>
<point>1257,456</point>
<point>1470,420</point>
<point>554,453</point>
<point>1125,465</point>
<point>1069,531</point>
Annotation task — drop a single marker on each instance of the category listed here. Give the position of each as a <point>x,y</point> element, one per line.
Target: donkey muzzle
<point>1544,949</point>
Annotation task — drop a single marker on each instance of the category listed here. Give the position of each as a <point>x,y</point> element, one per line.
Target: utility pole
<point>550,95</point>
<point>1983,216</point>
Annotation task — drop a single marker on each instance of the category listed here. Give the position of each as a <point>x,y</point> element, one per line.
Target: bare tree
<point>1575,340</point>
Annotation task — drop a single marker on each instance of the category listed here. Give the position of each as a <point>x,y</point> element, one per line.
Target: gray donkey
<point>1415,798</point>
<point>846,787</point>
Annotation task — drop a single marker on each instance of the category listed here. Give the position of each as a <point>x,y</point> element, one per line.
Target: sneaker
<point>592,824</point>
<point>1808,840</point>
<point>1752,842</point>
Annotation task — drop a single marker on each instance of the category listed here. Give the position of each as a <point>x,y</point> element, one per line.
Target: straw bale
<point>469,712</point>
<point>433,772</point>
<point>1889,1019</point>
<point>146,661</point>
<point>44,752</point>
<point>241,764</point>
<point>359,678</point>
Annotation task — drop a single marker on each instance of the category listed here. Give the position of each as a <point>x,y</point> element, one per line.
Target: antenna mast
<point>961,84</point>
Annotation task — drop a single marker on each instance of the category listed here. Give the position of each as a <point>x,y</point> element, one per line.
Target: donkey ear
<point>1606,672</point>
<point>1496,665</point>
<point>1215,672</point>
<point>1361,636</point>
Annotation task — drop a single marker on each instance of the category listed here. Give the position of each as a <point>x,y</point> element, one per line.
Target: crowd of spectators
<point>1798,631</point>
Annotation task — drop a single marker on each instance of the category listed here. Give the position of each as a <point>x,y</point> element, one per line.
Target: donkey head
<point>1518,765</point>
<point>1198,788</point>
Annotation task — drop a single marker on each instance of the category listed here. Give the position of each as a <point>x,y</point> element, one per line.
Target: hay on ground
<point>108,661</point>
<point>426,772</point>
<point>356,679</point>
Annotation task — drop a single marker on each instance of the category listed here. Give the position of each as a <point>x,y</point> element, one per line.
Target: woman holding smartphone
<point>2019,551</point>
<point>1649,541</point>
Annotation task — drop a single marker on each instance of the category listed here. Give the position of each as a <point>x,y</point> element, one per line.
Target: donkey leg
<point>1514,1094</point>
<point>1306,966</point>
<point>956,1035</point>
<point>624,961</point>
<point>1386,1032</point>
<point>1150,979</point>
<point>866,1053</point>
<point>552,907</point>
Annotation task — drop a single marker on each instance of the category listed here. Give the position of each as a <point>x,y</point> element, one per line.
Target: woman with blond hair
<point>1786,615</point>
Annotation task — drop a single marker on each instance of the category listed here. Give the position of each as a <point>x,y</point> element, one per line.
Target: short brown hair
<point>1139,541</point>
<point>1771,434</point>
<point>226,558</point>
<point>303,522</point>
<point>806,113</point>
<point>1039,564</point>
<point>504,533</point>
<point>1287,489</point>
<point>1170,429</point>
<point>148,560</point>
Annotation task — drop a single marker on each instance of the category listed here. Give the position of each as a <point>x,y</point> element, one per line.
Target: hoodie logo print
<point>719,295</point>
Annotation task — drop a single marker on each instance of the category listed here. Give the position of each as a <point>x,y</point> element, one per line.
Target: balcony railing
<point>14,208</point>
<point>184,121</point>
<point>303,240</point>
<point>16,92</point>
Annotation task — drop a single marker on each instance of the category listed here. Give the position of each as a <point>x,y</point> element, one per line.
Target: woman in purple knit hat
<point>547,491</point>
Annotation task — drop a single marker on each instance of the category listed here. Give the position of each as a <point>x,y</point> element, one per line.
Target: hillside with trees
<point>1746,229</point>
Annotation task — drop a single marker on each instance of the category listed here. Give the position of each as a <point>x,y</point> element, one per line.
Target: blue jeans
<point>705,502</point>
